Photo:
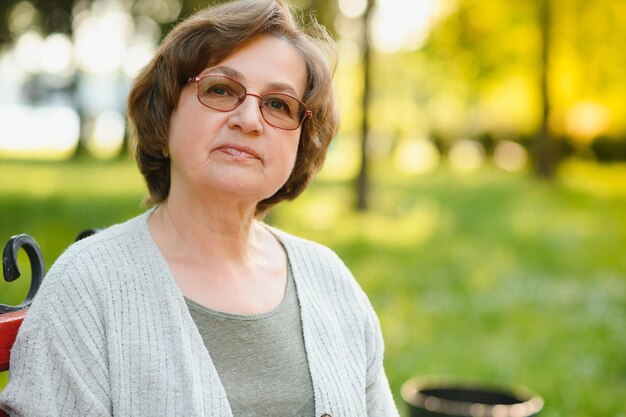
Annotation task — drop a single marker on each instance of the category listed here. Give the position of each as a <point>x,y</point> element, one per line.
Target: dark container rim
<point>437,394</point>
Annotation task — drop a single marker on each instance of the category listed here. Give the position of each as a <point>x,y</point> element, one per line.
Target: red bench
<point>9,325</point>
<point>11,317</point>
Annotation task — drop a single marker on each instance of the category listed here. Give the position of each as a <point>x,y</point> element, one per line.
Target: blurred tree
<point>50,15</point>
<point>545,157</point>
<point>485,55</point>
<point>362,183</point>
<point>541,69</point>
<point>56,15</point>
<point>478,74</point>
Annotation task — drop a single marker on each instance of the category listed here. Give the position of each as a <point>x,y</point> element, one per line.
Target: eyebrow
<point>273,87</point>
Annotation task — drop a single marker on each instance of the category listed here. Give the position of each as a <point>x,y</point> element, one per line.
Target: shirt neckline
<point>184,299</point>
<point>248,317</point>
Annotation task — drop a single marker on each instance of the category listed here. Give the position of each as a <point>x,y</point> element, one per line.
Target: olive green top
<point>260,358</point>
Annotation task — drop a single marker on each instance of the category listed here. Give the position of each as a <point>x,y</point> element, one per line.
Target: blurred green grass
<point>490,275</point>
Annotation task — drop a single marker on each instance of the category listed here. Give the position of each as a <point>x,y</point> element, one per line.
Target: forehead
<point>265,62</point>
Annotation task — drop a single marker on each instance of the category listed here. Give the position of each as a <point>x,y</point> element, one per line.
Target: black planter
<point>427,397</point>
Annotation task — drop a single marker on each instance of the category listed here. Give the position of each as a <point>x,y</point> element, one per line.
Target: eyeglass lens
<point>223,94</point>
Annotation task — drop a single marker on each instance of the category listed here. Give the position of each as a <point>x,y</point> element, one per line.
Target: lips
<point>239,151</point>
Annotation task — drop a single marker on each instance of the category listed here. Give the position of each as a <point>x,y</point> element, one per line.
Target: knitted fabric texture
<point>109,334</point>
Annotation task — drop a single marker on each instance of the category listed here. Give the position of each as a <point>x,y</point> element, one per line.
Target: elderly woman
<point>196,307</point>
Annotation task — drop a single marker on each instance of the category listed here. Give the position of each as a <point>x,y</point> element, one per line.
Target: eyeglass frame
<point>307,113</point>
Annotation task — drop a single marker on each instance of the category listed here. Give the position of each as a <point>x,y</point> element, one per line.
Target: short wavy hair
<point>205,39</point>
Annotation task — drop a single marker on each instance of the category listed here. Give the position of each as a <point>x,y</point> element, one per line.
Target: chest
<point>169,357</point>
<point>261,360</point>
<point>244,290</point>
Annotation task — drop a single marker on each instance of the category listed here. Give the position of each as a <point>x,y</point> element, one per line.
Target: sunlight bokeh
<point>23,15</point>
<point>416,156</point>
<point>106,134</point>
<point>587,120</point>
<point>510,156</point>
<point>442,70</point>
<point>398,24</point>
<point>99,54</point>
<point>466,156</point>
<point>342,162</point>
<point>71,90</point>
<point>38,133</point>
<point>57,56</point>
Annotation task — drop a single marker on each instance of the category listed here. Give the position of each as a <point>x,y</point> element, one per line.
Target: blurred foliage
<point>491,47</point>
<point>52,16</point>
<point>323,10</point>
<point>491,275</point>
<point>475,75</point>
<point>56,15</point>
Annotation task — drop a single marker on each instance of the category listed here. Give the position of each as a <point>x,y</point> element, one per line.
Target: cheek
<point>178,129</point>
<point>290,154</point>
<point>284,159</point>
<point>188,117</point>
<point>190,133</point>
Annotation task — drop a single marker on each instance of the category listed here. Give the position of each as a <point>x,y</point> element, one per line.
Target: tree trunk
<point>545,156</point>
<point>362,183</point>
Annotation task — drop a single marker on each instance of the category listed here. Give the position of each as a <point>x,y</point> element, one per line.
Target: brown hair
<point>206,38</point>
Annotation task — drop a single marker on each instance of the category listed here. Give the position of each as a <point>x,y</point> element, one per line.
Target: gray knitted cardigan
<point>109,334</point>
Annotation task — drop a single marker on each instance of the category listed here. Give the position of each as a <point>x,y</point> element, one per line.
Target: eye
<point>278,105</point>
<point>218,90</point>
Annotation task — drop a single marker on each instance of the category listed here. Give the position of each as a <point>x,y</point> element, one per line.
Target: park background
<point>480,199</point>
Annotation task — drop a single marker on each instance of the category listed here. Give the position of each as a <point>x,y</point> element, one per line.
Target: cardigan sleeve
<point>379,400</point>
<point>59,362</point>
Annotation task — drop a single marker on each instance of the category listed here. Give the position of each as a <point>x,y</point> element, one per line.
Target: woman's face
<point>237,153</point>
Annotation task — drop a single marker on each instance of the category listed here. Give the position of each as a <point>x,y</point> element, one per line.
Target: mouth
<point>237,151</point>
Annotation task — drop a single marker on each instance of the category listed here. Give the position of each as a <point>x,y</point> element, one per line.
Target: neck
<point>208,232</point>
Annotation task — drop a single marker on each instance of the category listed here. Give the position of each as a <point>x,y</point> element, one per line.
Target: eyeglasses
<point>224,94</point>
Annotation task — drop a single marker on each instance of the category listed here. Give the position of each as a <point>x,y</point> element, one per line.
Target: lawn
<point>490,275</point>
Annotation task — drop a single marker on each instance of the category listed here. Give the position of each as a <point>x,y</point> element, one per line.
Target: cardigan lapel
<point>203,380</point>
<point>328,355</point>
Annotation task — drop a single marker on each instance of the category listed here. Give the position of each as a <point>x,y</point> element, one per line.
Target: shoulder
<point>328,289</point>
<point>307,249</point>
<point>321,270</point>
<point>93,263</point>
<point>317,261</point>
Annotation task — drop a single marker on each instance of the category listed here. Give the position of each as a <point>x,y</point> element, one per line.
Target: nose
<point>247,116</point>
